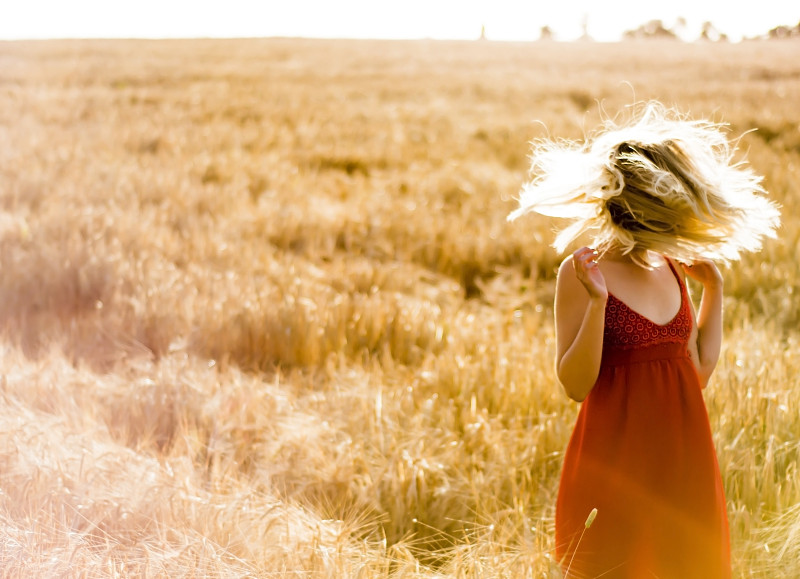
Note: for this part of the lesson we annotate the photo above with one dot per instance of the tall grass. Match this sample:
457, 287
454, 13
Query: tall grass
263, 316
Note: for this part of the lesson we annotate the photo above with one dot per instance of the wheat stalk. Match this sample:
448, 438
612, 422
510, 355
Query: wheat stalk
589, 520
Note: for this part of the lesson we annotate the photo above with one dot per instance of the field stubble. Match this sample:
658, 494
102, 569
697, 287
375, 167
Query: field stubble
264, 316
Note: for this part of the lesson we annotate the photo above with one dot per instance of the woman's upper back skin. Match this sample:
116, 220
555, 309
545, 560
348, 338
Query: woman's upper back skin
654, 294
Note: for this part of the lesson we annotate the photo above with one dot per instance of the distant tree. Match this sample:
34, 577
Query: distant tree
784, 32
546, 33
709, 32
585, 27
651, 29
680, 26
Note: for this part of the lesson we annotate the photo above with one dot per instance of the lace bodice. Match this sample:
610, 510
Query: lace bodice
626, 328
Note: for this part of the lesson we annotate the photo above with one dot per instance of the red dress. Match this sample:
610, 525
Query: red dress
642, 455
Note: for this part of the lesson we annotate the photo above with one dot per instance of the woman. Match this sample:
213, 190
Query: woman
658, 198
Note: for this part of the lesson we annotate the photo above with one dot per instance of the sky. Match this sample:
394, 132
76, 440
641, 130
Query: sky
440, 19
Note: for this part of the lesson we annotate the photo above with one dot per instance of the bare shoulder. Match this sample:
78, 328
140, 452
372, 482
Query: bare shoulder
568, 287
566, 271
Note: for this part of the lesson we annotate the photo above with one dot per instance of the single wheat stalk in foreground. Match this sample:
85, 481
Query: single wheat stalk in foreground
586, 525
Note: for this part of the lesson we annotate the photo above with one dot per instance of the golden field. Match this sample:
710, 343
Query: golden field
263, 315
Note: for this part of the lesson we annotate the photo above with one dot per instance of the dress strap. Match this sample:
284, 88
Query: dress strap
681, 283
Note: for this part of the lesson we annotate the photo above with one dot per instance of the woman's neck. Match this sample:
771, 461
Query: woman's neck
617, 255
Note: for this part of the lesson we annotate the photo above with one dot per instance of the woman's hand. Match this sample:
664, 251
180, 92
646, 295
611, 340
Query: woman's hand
705, 272
706, 340
584, 261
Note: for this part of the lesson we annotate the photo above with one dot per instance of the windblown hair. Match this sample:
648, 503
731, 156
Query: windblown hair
662, 183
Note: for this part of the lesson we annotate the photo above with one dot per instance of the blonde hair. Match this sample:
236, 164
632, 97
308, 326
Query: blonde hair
661, 183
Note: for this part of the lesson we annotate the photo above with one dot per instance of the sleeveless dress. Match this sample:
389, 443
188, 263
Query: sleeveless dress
642, 454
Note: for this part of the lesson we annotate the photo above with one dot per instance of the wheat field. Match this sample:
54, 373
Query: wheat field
263, 314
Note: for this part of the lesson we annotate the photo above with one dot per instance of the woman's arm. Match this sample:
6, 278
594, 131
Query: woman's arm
708, 334
580, 305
